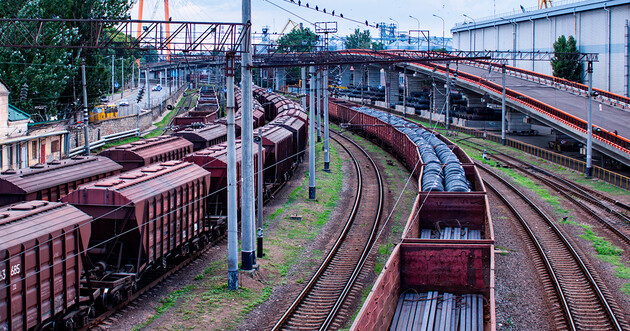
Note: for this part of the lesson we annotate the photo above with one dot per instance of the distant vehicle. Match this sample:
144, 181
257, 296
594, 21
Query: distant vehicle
157, 88
102, 112
123, 102
104, 98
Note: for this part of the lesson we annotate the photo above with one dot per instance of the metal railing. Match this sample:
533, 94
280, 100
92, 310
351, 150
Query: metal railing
582, 89
106, 139
563, 160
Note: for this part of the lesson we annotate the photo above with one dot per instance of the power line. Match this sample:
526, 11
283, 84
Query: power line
331, 13
290, 12
202, 199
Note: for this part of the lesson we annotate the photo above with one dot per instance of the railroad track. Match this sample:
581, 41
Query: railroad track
319, 304
604, 213
583, 302
578, 190
157, 277
187, 104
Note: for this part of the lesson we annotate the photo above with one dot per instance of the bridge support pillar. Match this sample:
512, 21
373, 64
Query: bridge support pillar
358, 76
474, 100
347, 75
373, 78
516, 122
392, 88
414, 84
280, 78
439, 106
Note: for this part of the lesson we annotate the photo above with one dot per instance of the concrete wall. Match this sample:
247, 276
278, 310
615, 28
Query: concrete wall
598, 26
121, 124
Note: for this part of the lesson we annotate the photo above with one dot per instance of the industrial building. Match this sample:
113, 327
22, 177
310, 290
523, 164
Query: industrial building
598, 27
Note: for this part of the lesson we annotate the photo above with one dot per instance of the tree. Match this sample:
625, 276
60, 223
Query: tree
565, 63
361, 40
376, 46
298, 40
53, 76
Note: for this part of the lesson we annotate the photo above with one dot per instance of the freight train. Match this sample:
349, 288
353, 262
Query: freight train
62, 261
441, 274
204, 112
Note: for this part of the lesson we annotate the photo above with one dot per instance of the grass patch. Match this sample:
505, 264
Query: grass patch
315, 213
543, 193
275, 214
502, 250
383, 253
120, 142
544, 164
606, 252
161, 125
602, 247
165, 304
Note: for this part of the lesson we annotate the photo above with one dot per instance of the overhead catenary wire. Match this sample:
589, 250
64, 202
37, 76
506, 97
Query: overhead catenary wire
202, 198
215, 192
132, 229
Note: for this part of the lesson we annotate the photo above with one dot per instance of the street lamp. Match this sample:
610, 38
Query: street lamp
513, 22
440, 17
474, 28
417, 20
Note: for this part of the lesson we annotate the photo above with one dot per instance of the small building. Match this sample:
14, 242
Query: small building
21, 147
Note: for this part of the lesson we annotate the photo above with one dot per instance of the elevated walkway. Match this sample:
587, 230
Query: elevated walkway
557, 103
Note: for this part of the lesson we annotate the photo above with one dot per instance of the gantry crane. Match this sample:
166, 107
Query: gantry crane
544, 4
167, 17
289, 22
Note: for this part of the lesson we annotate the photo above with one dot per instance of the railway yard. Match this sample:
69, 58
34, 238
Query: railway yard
507, 241
194, 174
531, 288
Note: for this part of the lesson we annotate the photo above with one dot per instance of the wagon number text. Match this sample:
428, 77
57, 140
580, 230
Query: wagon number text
15, 270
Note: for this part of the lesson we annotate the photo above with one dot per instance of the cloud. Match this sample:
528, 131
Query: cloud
375, 11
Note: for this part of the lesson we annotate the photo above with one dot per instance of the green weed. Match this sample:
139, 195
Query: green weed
165, 304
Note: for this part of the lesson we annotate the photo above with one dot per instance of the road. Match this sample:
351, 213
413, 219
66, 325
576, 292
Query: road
604, 116
132, 97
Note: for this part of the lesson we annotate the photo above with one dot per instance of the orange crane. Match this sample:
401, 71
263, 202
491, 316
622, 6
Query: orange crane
167, 17
541, 3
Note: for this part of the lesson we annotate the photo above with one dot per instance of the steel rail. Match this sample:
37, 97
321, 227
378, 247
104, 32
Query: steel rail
565, 242
601, 220
181, 265
370, 243
581, 190
334, 250
555, 282
287, 314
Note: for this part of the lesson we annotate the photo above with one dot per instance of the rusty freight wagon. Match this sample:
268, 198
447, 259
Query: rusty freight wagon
204, 137
442, 274
433, 286
279, 146
42, 265
148, 151
195, 117
214, 160
298, 129
264, 98
142, 218
53, 180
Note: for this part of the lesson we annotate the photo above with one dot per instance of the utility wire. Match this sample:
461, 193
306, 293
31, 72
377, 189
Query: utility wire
186, 178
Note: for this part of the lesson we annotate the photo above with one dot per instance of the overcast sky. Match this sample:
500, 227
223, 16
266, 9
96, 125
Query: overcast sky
264, 13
